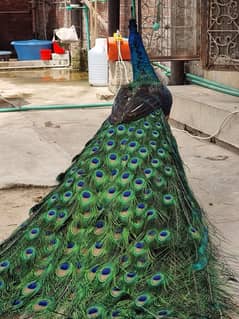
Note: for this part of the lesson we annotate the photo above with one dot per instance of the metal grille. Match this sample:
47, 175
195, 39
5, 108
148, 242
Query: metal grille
222, 34
170, 28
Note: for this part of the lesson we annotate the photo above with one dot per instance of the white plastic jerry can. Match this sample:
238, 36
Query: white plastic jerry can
98, 63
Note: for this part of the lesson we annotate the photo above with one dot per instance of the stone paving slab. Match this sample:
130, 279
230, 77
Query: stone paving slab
25, 156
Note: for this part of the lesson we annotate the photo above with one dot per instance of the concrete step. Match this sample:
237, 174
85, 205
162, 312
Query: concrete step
205, 110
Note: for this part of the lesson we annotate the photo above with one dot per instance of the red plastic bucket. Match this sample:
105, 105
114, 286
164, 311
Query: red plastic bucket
57, 48
45, 54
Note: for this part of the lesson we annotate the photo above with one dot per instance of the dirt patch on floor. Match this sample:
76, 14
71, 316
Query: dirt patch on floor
15, 204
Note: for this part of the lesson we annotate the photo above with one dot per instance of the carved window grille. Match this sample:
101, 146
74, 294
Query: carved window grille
171, 28
220, 34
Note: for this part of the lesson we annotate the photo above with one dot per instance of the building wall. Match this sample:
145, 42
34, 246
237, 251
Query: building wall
230, 78
15, 22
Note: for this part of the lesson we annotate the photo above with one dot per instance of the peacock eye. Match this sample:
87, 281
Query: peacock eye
141, 206
99, 174
81, 183
100, 224
124, 142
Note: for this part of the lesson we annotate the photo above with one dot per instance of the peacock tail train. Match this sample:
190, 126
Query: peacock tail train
122, 235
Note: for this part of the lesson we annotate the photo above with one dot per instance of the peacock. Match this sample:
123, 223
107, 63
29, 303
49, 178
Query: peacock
122, 235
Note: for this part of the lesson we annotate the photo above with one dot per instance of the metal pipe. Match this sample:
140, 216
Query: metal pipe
216, 86
25, 108
213, 86
161, 66
198, 78
86, 16
133, 9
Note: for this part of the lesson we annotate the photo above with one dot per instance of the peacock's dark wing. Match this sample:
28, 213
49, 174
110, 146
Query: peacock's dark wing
135, 102
122, 235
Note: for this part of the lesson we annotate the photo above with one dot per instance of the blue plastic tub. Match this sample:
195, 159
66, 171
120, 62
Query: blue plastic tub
30, 49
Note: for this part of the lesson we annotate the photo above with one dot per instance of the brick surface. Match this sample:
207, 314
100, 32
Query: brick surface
16, 21
14, 5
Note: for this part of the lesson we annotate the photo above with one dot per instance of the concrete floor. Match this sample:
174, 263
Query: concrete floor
206, 111
47, 87
36, 146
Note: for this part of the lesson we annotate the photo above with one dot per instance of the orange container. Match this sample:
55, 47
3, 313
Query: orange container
113, 49
45, 54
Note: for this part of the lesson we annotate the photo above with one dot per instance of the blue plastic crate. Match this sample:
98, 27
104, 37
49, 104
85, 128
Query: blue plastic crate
30, 49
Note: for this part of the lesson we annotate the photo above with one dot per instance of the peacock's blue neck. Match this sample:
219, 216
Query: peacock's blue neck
142, 68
